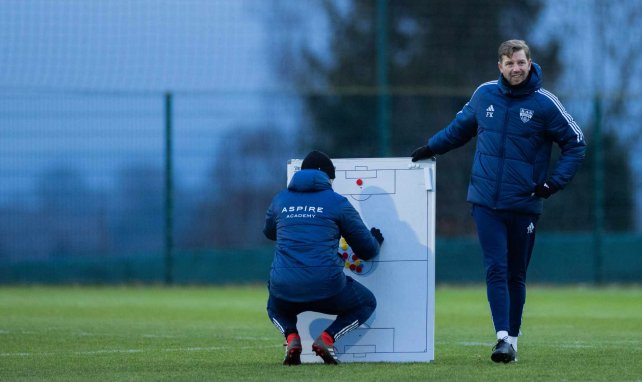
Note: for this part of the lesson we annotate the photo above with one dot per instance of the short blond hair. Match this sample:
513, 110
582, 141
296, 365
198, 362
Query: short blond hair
507, 48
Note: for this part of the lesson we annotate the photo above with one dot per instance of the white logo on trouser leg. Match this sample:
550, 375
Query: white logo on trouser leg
530, 228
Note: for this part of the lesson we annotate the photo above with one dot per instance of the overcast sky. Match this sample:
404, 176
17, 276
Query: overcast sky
132, 45
82, 84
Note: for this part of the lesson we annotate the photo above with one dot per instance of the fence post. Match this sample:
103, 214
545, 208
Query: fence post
383, 109
598, 199
169, 192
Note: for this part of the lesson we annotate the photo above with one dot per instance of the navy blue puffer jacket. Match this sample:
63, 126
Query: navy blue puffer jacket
515, 129
307, 220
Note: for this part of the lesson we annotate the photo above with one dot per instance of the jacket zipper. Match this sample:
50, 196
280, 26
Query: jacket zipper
502, 149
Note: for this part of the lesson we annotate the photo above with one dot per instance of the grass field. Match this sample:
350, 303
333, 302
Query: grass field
218, 334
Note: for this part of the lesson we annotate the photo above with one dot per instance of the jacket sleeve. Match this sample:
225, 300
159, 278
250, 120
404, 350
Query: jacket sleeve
568, 135
269, 229
461, 130
356, 233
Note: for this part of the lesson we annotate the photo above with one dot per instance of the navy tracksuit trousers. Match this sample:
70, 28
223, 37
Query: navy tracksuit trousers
507, 240
352, 306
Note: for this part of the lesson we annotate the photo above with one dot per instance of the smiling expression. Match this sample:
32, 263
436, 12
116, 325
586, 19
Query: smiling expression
515, 69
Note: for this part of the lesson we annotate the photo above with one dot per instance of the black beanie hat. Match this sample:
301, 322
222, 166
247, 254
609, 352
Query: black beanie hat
317, 160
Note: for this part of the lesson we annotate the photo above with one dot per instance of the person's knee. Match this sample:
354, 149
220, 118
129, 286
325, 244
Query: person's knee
517, 279
370, 302
496, 272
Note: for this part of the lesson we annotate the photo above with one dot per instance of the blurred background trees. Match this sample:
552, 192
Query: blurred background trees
437, 53
258, 82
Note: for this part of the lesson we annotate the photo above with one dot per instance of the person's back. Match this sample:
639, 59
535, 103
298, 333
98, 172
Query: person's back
309, 217
307, 220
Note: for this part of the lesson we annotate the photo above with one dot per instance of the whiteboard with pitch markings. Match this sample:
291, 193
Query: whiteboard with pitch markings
398, 197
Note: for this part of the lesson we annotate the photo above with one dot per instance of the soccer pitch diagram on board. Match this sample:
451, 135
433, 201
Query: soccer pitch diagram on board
398, 197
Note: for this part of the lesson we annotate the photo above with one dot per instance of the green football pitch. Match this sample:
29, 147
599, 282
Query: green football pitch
222, 333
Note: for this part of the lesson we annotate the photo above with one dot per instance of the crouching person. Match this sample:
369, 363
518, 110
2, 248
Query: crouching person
307, 220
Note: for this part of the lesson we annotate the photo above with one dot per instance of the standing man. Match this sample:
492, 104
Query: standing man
515, 121
307, 220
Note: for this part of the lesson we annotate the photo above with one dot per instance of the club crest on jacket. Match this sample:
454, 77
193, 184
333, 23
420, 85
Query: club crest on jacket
525, 115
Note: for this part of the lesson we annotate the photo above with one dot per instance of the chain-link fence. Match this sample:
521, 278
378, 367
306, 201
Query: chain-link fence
107, 176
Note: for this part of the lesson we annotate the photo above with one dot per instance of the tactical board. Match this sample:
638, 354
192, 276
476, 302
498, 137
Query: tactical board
398, 197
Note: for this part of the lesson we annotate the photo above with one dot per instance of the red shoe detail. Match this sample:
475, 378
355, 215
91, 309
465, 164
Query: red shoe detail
327, 339
293, 350
323, 346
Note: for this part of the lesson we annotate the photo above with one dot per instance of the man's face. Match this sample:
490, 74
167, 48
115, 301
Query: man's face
515, 69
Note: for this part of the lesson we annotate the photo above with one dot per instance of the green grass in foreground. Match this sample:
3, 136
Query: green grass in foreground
192, 334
